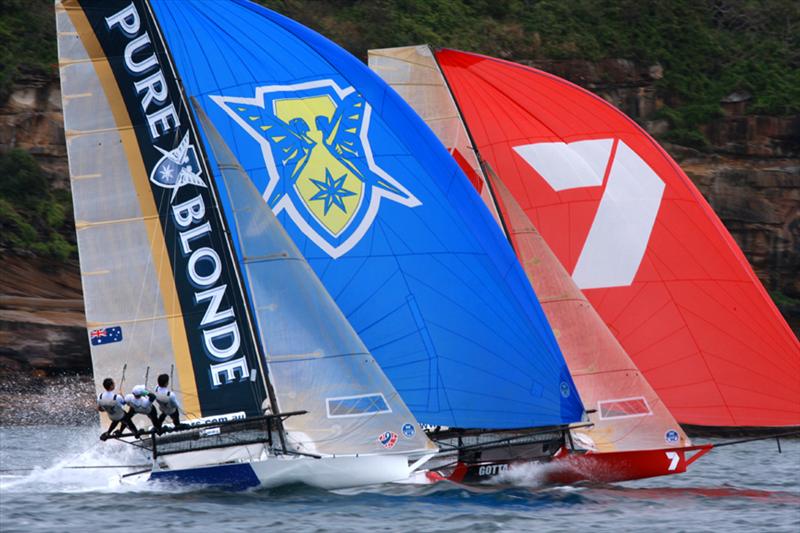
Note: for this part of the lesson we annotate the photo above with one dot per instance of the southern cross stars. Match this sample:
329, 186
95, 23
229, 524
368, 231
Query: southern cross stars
166, 173
332, 191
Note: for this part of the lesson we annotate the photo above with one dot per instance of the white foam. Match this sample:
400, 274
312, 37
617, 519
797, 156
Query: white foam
61, 476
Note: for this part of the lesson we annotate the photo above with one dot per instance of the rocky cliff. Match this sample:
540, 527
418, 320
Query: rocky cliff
749, 172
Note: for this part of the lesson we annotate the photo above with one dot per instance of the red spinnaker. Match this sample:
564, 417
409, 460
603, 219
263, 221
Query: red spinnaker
639, 240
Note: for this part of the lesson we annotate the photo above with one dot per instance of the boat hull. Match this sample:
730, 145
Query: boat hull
571, 467
324, 472
611, 467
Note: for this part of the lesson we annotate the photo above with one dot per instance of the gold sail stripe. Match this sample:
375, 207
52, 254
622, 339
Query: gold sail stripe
70, 134
161, 262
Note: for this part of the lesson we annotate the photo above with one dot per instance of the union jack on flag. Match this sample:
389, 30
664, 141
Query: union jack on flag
105, 335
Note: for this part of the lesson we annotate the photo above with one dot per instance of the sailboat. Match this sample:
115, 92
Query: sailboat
633, 435
275, 384
623, 219
390, 224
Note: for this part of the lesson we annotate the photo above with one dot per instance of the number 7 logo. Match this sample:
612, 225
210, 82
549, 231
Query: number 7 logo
674, 460
621, 229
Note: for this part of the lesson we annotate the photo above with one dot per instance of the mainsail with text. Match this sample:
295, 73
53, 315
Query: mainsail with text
177, 280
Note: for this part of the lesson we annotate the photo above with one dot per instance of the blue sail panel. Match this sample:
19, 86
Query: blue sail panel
382, 213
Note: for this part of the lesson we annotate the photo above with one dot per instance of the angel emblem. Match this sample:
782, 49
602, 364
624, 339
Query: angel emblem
318, 158
177, 167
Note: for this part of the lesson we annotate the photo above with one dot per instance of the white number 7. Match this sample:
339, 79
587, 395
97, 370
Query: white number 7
674, 458
627, 212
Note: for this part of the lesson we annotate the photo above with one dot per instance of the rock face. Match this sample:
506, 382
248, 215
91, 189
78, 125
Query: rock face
42, 323
31, 119
751, 176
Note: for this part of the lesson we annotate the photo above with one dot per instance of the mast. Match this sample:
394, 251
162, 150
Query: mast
217, 204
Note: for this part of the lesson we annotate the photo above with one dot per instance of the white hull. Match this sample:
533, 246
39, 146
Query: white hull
245, 467
332, 472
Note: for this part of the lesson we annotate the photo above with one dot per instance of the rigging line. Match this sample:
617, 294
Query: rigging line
149, 469
792, 433
122, 380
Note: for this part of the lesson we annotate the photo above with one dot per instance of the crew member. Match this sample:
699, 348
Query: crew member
167, 402
141, 402
113, 404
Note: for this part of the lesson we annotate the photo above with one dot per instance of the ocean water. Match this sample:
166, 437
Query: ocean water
748, 487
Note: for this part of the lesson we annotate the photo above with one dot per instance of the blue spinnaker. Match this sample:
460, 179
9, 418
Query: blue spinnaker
383, 214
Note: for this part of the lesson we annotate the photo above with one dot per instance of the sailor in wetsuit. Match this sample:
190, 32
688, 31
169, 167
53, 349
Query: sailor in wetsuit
141, 402
113, 404
167, 402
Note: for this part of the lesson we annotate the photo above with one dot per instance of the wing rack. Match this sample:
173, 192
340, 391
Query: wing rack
215, 435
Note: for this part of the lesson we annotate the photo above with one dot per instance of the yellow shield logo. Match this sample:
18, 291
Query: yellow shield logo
314, 139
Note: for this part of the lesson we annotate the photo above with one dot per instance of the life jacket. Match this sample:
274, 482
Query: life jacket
111, 403
166, 400
141, 405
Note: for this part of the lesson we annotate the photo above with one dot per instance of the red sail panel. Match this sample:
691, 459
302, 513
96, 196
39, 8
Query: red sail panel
639, 240
629, 414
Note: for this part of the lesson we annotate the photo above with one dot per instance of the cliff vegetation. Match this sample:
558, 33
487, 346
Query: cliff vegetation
717, 81
705, 50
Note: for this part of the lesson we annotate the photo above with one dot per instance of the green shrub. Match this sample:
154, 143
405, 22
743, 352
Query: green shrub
32, 216
27, 34
708, 48
686, 137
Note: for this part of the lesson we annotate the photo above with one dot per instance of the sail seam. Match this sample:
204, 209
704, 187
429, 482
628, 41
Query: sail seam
84, 225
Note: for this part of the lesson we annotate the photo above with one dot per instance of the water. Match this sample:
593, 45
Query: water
747, 487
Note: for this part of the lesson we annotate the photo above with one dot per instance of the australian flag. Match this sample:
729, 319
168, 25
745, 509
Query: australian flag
105, 335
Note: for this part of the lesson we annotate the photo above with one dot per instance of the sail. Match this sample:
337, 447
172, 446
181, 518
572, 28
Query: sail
159, 281
628, 414
382, 213
316, 361
639, 240
412, 72
625, 411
